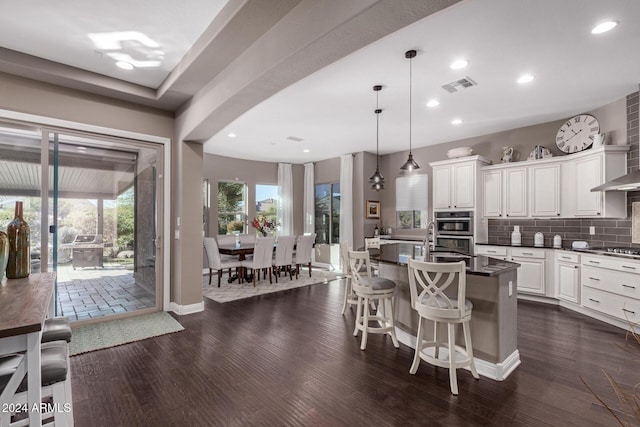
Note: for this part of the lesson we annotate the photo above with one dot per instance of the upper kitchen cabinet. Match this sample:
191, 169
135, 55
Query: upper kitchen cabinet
556, 187
545, 190
505, 192
455, 182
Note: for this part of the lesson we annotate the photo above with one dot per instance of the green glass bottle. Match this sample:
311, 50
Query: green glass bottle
19, 264
4, 253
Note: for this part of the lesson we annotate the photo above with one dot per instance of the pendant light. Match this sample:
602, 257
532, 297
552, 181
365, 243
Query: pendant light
410, 164
377, 180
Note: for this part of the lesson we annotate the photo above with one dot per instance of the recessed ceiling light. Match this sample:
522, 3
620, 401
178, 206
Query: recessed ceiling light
231, 135
433, 103
456, 121
525, 78
604, 27
306, 150
124, 65
458, 64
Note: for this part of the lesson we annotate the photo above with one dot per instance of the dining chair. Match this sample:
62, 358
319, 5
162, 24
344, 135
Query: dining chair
438, 294
367, 287
262, 257
215, 261
247, 238
304, 247
284, 256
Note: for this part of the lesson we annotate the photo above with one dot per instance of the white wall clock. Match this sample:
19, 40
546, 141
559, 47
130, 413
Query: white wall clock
576, 134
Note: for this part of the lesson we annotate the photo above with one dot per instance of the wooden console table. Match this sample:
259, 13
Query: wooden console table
24, 305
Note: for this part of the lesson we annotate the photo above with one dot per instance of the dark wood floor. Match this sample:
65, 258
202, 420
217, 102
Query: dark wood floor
290, 359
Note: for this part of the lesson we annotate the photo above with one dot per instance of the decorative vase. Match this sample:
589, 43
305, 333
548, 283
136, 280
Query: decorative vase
19, 264
4, 253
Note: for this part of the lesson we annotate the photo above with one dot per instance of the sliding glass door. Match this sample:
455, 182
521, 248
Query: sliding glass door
104, 213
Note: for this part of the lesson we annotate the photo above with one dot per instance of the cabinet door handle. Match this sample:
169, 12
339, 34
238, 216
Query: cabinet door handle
628, 286
628, 311
594, 278
565, 257
492, 252
575, 266
594, 262
629, 267
527, 253
595, 300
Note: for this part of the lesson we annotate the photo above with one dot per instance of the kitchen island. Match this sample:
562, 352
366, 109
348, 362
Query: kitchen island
491, 287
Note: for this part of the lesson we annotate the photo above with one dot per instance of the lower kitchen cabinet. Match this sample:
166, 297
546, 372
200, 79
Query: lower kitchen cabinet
532, 271
567, 276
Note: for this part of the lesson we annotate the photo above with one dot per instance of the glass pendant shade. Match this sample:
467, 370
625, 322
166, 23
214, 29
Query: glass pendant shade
410, 164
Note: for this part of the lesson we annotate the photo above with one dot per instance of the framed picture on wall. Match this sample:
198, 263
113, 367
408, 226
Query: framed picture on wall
372, 209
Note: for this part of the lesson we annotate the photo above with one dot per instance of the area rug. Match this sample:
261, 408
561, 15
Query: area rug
235, 291
122, 331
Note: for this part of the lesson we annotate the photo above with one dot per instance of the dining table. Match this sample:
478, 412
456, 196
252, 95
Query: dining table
24, 305
241, 250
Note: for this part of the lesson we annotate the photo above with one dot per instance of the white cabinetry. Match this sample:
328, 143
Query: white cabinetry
531, 274
505, 192
556, 187
455, 181
610, 285
532, 270
545, 190
568, 276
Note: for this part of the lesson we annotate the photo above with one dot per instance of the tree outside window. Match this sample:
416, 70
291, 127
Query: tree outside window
327, 213
267, 201
232, 207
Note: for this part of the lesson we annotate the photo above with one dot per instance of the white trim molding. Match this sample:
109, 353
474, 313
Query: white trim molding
495, 371
182, 310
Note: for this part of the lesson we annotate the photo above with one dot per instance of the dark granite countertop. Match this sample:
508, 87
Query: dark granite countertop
400, 253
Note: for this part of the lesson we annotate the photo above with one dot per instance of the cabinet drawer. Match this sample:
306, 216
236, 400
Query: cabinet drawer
626, 309
565, 256
491, 250
625, 284
613, 263
527, 253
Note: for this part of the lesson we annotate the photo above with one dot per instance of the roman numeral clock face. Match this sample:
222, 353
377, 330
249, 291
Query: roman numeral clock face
577, 133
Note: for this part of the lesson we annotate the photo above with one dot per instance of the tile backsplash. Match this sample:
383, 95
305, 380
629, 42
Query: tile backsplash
608, 232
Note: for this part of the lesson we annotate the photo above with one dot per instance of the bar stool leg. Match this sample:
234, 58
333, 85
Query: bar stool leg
358, 316
392, 323
469, 347
453, 379
365, 324
419, 338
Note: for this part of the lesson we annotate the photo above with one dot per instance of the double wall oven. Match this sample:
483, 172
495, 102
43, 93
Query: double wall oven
454, 231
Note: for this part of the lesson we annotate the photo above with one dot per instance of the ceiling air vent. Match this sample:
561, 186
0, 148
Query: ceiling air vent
457, 85
294, 138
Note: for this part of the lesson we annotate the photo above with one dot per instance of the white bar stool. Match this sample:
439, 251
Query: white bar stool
428, 283
367, 288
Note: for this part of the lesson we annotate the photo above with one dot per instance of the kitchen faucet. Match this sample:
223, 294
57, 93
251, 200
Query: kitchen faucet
430, 245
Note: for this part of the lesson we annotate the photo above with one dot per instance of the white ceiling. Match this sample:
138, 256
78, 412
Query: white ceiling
332, 109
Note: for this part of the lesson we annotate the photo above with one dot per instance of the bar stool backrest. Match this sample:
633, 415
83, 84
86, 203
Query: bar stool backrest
360, 269
438, 289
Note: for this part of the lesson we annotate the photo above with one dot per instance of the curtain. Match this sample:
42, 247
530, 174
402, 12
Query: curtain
346, 199
285, 199
309, 202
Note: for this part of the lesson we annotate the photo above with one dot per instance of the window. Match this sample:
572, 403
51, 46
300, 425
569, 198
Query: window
411, 201
232, 207
267, 201
327, 213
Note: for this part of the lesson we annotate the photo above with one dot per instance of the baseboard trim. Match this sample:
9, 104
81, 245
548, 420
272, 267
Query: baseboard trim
495, 371
182, 310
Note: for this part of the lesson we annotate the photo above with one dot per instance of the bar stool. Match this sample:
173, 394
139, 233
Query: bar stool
56, 383
56, 329
367, 288
349, 296
428, 282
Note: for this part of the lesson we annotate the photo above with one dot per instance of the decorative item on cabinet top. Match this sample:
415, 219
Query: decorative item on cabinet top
507, 155
539, 152
459, 152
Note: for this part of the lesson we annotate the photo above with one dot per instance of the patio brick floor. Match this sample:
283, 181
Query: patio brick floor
86, 293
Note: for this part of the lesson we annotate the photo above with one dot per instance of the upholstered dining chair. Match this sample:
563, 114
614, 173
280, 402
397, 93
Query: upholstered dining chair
215, 262
227, 240
284, 256
262, 257
438, 294
304, 248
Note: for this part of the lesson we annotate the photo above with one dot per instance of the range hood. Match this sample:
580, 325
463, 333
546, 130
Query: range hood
628, 182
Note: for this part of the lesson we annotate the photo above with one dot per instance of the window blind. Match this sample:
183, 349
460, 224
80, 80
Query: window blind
412, 193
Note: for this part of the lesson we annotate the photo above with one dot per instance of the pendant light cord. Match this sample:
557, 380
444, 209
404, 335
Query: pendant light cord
377, 130
410, 112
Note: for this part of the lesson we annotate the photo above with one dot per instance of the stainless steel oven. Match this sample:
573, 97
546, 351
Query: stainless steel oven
454, 223
463, 244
